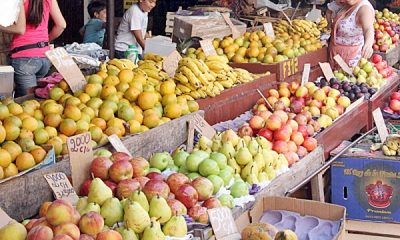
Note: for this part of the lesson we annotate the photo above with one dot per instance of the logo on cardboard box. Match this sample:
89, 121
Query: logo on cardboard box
379, 194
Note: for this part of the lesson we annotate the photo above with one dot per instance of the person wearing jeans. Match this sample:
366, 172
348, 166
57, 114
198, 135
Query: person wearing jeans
28, 50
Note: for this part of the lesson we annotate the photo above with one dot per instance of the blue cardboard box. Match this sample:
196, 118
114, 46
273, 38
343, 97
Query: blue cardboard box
369, 187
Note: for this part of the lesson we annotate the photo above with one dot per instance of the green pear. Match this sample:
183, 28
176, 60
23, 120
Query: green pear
153, 232
127, 234
183, 169
204, 143
263, 177
227, 149
232, 163
239, 189
208, 167
90, 207
226, 200
124, 202
160, 209
81, 204
217, 182
135, 217
13, 231
226, 175
173, 168
112, 211
252, 178
259, 159
264, 143
230, 136
269, 156
180, 158
253, 147
243, 156
160, 160
216, 145
247, 169
99, 192
175, 227
240, 144
220, 159
270, 172
139, 197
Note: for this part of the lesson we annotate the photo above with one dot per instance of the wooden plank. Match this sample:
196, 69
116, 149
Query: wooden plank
317, 188
378, 228
355, 236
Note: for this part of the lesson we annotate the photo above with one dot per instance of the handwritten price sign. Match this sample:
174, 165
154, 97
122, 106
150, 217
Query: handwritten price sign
223, 224
202, 127
61, 187
80, 144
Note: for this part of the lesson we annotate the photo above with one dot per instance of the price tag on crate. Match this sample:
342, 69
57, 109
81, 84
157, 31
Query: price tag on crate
208, 47
235, 32
62, 188
4, 218
343, 65
171, 63
202, 126
326, 70
269, 30
118, 145
66, 66
380, 124
81, 155
223, 224
306, 74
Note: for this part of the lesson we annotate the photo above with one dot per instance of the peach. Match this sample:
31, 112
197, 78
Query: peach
292, 147
40, 233
69, 229
86, 237
310, 144
273, 93
91, 223
43, 209
59, 212
62, 237
297, 138
109, 235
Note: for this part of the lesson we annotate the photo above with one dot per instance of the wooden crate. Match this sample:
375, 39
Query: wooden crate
169, 23
205, 27
358, 230
235, 101
285, 69
392, 57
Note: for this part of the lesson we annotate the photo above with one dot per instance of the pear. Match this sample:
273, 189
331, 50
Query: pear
247, 139
270, 172
264, 143
205, 143
240, 144
216, 144
124, 202
263, 177
230, 136
247, 169
160, 209
13, 231
127, 234
112, 211
99, 192
139, 197
253, 147
232, 163
136, 218
269, 156
90, 207
252, 178
227, 149
153, 232
175, 227
283, 161
243, 156
81, 204
259, 159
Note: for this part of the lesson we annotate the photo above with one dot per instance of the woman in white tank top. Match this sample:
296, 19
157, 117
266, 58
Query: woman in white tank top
352, 31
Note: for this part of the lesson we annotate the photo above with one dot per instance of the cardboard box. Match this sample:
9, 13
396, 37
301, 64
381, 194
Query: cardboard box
303, 207
369, 186
6, 81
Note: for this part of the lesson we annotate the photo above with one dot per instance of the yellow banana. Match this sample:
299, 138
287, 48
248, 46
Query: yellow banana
181, 78
221, 59
154, 74
190, 75
183, 88
153, 57
219, 85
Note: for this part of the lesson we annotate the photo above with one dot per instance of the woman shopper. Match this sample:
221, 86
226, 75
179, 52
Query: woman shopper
28, 50
352, 30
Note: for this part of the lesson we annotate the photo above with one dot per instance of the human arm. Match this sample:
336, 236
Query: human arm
366, 19
329, 18
137, 18
58, 19
139, 37
19, 26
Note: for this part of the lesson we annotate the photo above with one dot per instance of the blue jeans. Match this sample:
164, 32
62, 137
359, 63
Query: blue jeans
27, 71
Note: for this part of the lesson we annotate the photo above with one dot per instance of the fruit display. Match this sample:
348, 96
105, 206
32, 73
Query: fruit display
322, 25
255, 46
351, 90
198, 79
382, 66
366, 72
391, 147
393, 107
386, 31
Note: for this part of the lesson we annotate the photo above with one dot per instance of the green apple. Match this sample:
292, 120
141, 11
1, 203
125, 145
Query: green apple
183, 170
220, 159
239, 189
226, 200
173, 168
102, 153
180, 158
160, 160
208, 167
217, 182
193, 175
226, 175
194, 159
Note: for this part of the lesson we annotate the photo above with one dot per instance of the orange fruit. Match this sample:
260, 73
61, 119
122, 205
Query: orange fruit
126, 75
10, 171
38, 154
52, 120
5, 158
25, 161
68, 127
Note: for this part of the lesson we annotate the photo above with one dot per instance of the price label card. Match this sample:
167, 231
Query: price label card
380, 124
269, 30
171, 63
208, 47
202, 126
223, 224
355, 104
61, 187
235, 32
343, 65
326, 70
306, 74
118, 145
81, 155
4, 218
66, 66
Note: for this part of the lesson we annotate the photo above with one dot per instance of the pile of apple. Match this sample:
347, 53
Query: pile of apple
386, 26
382, 66
394, 104
365, 72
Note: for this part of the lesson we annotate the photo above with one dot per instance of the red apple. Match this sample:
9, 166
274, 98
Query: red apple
256, 122
100, 166
85, 187
155, 176
395, 105
91, 223
376, 58
279, 105
112, 185
177, 207
40, 232
375, 47
310, 144
293, 86
245, 130
280, 147
274, 122
264, 114
301, 119
296, 106
176, 180
297, 137
119, 156
199, 214
293, 125
142, 181
140, 166
43, 209
302, 92
154, 187
303, 130
310, 130
39, 222
126, 187
273, 92
282, 134
204, 188
86, 237
292, 147
109, 235
282, 115
266, 133
59, 212
212, 203
291, 157
120, 170
187, 195
395, 95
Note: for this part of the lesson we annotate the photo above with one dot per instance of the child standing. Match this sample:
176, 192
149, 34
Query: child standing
133, 27
94, 30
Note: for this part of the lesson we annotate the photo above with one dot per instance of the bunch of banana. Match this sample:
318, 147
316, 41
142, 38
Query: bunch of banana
153, 70
298, 26
121, 64
392, 145
322, 25
153, 57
